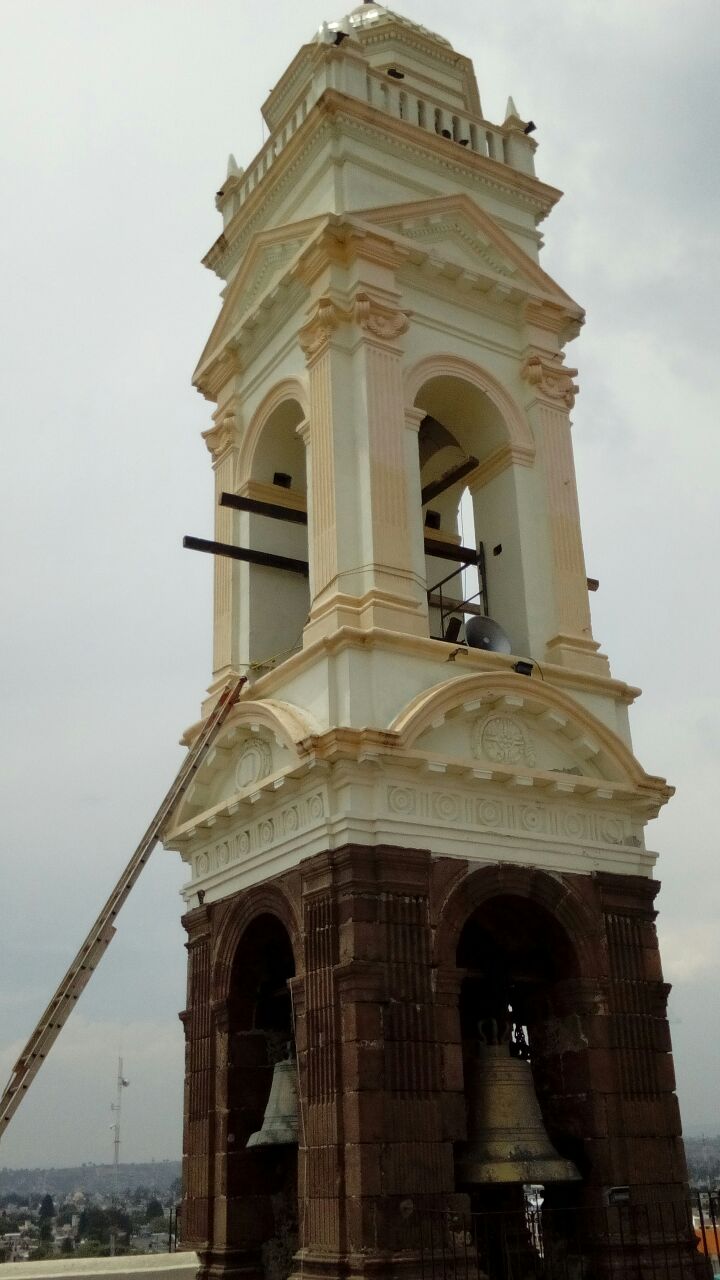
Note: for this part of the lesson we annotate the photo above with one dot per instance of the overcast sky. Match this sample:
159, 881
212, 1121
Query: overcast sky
117, 118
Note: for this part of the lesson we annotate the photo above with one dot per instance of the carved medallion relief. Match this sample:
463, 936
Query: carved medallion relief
254, 763
503, 740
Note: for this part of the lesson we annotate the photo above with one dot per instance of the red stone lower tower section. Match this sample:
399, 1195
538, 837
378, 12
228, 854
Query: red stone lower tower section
368, 942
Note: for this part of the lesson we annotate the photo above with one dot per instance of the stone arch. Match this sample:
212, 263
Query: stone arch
574, 916
265, 899
272, 467
525, 950
284, 392
519, 433
470, 420
255, 962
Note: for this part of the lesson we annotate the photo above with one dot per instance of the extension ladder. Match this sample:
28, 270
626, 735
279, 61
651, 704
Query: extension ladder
103, 930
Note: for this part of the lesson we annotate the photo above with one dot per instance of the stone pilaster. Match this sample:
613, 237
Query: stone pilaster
364, 569
552, 397
199, 1064
222, 441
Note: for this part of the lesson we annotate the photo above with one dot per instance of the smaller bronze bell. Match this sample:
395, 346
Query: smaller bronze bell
507, 1141
280, 1122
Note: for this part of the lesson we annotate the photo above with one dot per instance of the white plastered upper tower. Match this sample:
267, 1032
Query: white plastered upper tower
385, 322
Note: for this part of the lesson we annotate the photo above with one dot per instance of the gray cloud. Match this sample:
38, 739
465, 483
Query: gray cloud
122, 115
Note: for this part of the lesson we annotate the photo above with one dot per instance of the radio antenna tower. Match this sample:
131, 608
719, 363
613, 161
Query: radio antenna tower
116, 1108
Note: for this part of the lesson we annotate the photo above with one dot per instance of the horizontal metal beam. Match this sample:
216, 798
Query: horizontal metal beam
264, 558
444, 550
274, 510
448, 480
450, 551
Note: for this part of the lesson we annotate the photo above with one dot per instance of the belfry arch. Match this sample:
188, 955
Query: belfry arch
271, 468
258, 1227
470, 425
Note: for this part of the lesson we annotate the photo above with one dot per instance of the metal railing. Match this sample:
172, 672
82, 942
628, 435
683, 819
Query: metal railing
657, 1241
448, 605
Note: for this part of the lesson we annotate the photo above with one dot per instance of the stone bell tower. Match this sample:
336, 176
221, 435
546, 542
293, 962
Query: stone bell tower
416, 822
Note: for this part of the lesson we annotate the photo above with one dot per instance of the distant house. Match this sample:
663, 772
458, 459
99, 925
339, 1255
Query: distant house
708, 1238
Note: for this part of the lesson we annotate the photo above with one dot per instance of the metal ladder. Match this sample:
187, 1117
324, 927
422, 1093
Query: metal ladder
103, 930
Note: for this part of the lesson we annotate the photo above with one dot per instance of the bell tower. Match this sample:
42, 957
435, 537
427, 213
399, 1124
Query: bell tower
417, 862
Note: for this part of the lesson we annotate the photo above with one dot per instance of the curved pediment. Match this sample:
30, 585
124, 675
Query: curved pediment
506, 721
258, 742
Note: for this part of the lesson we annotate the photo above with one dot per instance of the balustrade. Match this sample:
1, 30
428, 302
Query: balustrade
403, 103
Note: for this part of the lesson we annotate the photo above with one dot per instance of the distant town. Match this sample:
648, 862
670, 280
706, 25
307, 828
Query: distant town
46, 1213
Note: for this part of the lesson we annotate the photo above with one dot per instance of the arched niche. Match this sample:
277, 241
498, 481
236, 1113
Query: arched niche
527, 954
469, 416
261, 1181
272, 469
516, 962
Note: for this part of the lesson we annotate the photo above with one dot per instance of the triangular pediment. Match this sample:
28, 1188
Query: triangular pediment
455, 231
264, 266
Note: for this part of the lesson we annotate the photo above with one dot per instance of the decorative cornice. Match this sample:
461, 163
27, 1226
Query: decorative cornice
434, 652
551, 378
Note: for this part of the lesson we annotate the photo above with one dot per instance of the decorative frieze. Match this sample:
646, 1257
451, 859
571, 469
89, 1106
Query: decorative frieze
258, 837
474, 813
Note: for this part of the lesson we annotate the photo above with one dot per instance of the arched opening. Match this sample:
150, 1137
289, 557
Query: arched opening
463, 429
261, 1179
279, 597
522, 1162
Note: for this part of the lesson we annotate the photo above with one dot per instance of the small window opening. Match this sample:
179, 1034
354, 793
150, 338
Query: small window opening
282, 479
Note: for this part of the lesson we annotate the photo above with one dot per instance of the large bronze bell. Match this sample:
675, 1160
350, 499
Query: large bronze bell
507, 1141
280, 1122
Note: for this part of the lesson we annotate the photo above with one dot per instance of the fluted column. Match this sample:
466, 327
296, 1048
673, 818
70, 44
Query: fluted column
552, 397
223, 441
363, 567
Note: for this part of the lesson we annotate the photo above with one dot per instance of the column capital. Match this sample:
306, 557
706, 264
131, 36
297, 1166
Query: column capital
315, 334
374, 315
550, 377
223, 435
379, 319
